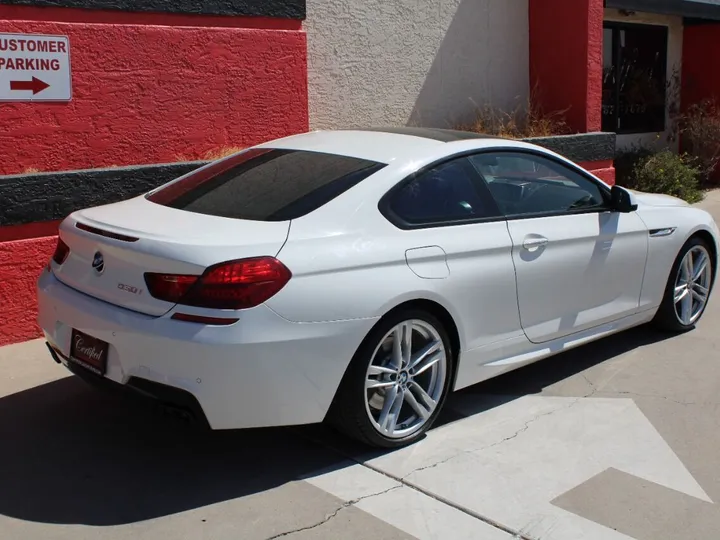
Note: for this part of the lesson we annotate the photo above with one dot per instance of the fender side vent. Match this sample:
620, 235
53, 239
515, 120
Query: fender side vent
656, 233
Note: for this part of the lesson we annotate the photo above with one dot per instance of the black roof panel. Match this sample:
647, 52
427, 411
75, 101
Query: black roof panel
437, 134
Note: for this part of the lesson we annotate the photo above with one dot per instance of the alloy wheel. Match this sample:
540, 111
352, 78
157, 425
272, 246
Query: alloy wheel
692, 285
405, 379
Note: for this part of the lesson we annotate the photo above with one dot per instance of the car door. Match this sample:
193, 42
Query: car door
456, 240
577, 263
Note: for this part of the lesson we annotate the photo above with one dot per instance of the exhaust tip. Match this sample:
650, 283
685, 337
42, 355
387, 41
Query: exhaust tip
53, 353
177, 413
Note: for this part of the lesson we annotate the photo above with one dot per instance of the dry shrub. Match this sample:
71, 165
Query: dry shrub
526, 121
219, 153
700, 136
210, 155
184, 157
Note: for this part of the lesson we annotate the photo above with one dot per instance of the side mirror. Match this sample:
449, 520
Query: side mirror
622, 200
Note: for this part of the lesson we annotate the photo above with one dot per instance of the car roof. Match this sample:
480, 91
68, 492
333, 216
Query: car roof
382, 145
436, 134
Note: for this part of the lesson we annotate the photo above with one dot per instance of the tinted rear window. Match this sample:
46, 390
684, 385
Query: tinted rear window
266, 185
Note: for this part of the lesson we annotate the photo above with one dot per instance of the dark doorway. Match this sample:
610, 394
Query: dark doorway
634, 78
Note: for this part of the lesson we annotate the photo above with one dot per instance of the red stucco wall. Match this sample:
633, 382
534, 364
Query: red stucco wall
605, 170
152, 94
701, 49
20, 264
566, 60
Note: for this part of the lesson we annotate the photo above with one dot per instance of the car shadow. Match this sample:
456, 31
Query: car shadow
74, 455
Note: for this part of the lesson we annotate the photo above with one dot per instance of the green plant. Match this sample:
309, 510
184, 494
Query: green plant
668, 173
626, 161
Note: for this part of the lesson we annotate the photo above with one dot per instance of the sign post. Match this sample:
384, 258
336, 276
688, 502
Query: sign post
35, 67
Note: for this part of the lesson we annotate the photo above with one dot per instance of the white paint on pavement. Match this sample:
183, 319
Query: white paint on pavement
509, 463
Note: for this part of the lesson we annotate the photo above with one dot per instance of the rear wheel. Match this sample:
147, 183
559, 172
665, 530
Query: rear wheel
688, 288
397, 382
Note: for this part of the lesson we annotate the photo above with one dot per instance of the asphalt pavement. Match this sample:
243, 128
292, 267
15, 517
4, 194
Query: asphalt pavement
615, 440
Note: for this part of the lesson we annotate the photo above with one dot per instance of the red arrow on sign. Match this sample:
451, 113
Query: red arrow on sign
36, 85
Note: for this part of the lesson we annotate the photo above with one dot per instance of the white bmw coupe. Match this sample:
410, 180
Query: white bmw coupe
357, 277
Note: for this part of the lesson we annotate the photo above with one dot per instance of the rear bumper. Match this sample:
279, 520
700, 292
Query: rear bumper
172, 400
262, 371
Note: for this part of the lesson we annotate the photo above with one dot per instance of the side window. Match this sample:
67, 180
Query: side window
449, 192
527, 184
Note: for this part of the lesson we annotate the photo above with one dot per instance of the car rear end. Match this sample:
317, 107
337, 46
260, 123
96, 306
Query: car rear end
165, 293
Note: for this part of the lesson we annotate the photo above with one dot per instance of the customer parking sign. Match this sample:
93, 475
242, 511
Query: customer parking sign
35, 67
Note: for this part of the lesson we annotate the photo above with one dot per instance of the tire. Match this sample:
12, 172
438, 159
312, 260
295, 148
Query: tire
361, 412
670, 316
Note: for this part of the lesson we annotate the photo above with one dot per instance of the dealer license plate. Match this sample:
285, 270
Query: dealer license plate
89, 352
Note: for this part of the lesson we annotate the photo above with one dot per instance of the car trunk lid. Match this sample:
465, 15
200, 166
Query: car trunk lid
113, 246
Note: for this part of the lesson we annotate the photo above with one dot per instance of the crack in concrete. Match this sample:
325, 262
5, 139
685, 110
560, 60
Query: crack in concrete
520, 431
611, 393
593, 388
604, 393
334, 513
666, 398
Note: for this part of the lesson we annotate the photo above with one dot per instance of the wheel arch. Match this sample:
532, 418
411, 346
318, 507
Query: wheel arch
443, 315
708, 237
666, 317
448, 321
711, 241
432, 307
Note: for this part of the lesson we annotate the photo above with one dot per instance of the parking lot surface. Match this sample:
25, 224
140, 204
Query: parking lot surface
615, 440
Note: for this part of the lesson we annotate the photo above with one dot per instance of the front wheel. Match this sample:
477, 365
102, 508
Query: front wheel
397, 382
688, 288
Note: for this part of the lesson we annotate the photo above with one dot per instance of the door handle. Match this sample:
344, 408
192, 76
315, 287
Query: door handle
534, 242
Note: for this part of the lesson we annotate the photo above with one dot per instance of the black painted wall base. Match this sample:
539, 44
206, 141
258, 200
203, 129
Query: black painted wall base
285, 9
30, 198
582, 147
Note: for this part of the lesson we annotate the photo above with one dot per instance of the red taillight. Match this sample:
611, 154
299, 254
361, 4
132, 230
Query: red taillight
61, 252
168, 287
232, 285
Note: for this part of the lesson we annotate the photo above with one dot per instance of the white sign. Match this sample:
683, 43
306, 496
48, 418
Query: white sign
35, 67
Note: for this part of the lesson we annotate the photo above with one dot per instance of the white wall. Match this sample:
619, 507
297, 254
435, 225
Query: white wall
674, 63
414, 62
